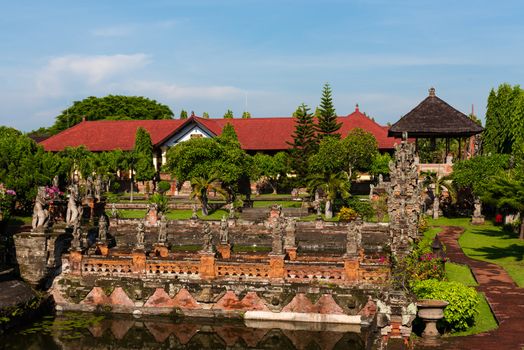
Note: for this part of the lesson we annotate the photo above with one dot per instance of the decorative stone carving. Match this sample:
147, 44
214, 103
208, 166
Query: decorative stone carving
89, 187
277, 247
194, 215
477, 218
77, 235
102, 228
98, 187
40, 212
231, 214
55, 181
162, 230
354, 237
224, 231
73, 205
404, 199
207, 246
114, 211
140, 234
290, 237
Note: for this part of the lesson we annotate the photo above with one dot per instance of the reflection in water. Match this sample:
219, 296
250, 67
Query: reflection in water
163, 333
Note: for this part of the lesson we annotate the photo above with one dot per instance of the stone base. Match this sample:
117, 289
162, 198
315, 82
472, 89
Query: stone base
207, 265
477, 220
160, 250
224, 250
102, 249
291, 253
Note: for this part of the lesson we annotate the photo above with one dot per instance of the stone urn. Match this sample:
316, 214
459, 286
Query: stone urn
430, 311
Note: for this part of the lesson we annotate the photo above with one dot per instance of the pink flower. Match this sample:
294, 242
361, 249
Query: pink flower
11, 192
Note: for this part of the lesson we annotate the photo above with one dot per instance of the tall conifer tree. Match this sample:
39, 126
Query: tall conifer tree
304, 140
327, 118
183, 114
144, 167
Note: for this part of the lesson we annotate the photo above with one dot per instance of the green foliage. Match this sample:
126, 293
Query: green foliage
145, 170
161, 201
361, 148
380, 164
330, 158
504, 120
334, 185
327, 117
200, 187
183, 114
229, 134
205, 115
473, 173
270, 167
304, 140
24, 165
164, 186
347, 214
363, 208
246, 115
463, 301
228, 114
110, 107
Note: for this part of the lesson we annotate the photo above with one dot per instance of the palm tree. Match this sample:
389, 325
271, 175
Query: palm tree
200, 186
438, 185
333, 184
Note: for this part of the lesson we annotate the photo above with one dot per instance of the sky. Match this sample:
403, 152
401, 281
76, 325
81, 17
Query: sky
266, 57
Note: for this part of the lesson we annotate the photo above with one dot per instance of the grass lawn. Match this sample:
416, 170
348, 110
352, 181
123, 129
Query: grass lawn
284, 204
490, 243
460, 273
172, 214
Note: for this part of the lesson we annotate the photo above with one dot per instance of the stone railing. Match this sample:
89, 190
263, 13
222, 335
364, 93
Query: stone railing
345, 271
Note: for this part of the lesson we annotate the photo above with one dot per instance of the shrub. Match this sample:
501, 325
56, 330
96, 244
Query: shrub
164, 186
463, 301
161, 201
423, 224
347, 214
363, 208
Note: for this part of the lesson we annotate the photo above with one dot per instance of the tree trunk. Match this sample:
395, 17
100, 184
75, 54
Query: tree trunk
204, 206
328, 213
274, 187
521, 235
131, 198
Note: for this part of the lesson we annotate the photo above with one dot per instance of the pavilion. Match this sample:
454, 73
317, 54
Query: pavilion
433, 118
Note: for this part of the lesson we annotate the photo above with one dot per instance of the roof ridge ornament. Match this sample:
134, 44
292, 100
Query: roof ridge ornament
432, 91
356, 108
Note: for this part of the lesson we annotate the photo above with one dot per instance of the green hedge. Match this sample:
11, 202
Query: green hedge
463, 301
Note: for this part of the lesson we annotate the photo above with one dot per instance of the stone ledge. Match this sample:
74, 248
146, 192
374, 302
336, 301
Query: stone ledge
301, 317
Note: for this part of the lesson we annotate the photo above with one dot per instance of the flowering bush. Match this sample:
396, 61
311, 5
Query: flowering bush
53, 192
347, 214
7, 201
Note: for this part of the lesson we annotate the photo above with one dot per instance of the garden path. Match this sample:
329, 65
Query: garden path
505, 298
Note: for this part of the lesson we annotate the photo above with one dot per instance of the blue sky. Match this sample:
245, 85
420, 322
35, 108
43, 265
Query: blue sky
214, 55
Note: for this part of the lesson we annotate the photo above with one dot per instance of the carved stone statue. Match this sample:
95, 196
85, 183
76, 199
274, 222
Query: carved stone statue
140, 234
380, 179
102, 228
162, 230
354, 237
207, 246
55, 181
98, 187
77, 234
114, 211
194, 215
478, 208
290, 237
73, 210
40, 212
371, 188
224, 231
277, 247
89, 187
231, 214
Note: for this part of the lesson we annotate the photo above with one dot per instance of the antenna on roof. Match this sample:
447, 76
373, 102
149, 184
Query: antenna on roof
472, 109
245, 102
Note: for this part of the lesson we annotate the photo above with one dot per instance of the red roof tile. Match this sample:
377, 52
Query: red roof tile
254, 134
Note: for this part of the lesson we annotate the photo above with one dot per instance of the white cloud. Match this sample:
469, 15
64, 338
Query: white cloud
176, 92
114, 31
62, 73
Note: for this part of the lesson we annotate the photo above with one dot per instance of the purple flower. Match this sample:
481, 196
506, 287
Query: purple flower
11, 192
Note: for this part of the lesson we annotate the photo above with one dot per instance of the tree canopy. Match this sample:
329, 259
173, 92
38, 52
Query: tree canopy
474, 173
361, 148
246, 115
304, 140
143, 149
327, 117
183, 114
110, 107
271, 167
228, 114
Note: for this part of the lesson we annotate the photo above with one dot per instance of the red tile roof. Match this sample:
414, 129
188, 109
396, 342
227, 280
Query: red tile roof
254, 134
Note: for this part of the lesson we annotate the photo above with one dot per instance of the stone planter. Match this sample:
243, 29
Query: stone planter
430, 311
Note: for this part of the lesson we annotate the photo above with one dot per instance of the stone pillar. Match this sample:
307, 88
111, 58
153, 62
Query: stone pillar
224, 250
276, 266
139, 262
206, 269
102, 248
91, 204
75, 262
351, 268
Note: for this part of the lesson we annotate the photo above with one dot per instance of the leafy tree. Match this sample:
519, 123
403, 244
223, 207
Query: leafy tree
228, 134
200, 187
24, 166
473, 174
77, 160
437, 184
205, 115
380, 164
271, 167
327, 118
246, 115
361, 148
333, 185
504, 120
228, 114
331, 157
110, 107
507, 190
304, 140
145, 170
183, 114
